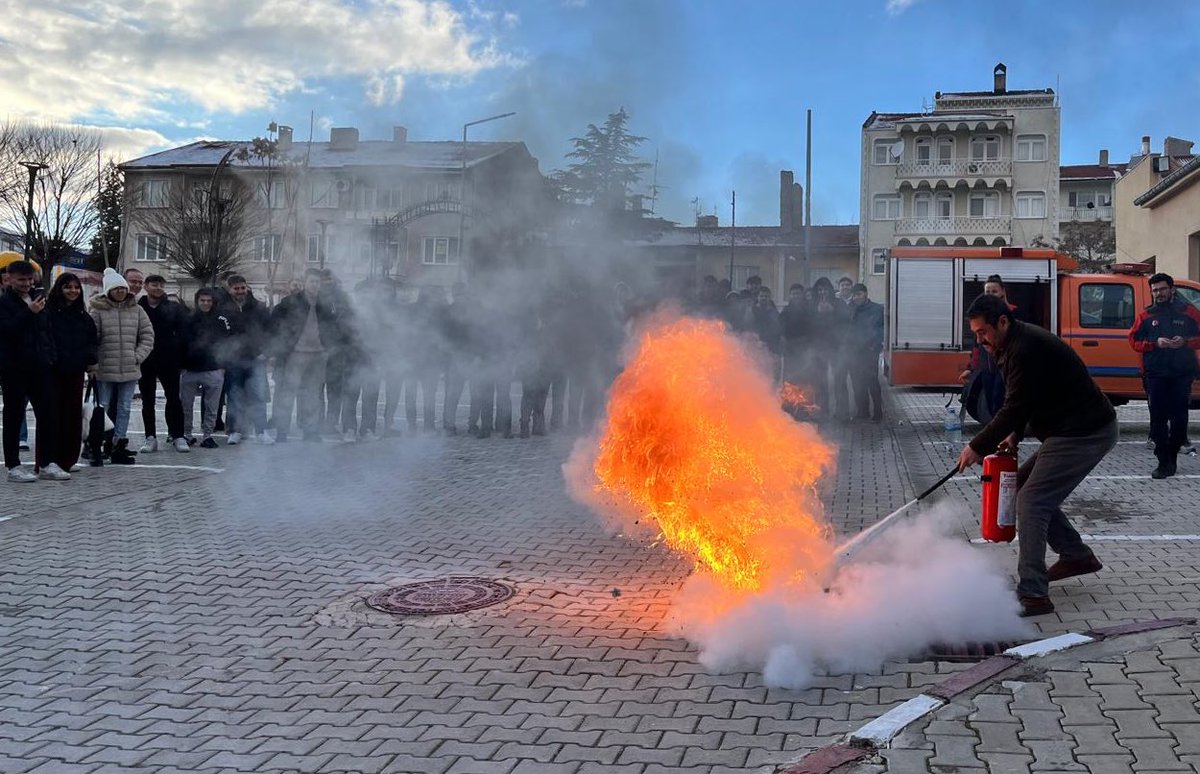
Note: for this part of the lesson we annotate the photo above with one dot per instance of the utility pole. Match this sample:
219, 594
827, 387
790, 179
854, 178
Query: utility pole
34, 167
732, 234
462, 195
807, 273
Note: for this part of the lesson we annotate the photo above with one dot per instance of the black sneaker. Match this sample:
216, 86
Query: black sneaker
191, 440
207, 443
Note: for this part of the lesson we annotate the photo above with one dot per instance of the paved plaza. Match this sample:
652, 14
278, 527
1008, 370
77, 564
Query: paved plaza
204, 612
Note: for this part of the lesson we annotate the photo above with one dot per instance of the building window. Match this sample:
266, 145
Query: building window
264, 248
943, 206
1031, 147
151, 247
924, 151
269, 193
323, 194
439, 251
985, 148
314, 248
945, 151
879, 257
886, 207
1106, 305
985, 205
154, 193
888, 151
1031, 204
922, 205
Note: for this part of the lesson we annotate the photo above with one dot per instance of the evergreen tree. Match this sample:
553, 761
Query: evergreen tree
605, 167
106, 243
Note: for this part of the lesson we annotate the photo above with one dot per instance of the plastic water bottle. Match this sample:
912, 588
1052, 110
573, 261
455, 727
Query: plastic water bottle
952, 421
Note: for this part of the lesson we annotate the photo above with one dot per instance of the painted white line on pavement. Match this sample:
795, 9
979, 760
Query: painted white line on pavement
1121, 539
881, 730
1098, 478
1048, 645
172, 467
963, 442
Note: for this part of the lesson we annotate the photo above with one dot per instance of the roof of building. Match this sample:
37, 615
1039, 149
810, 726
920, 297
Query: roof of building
881, 120
1185, 168
823, 237
1007, 93
444, 155
1090, 172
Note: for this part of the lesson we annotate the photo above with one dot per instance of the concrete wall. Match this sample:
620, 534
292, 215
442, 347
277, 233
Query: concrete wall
1168, 231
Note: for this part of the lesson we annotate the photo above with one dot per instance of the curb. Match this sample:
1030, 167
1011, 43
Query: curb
878, 733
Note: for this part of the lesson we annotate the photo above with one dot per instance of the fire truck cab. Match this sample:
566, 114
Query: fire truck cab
930, 288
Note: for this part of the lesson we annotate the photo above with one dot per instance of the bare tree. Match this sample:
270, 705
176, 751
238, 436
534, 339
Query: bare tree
64, 212
204, 220
278, 176
1093, 243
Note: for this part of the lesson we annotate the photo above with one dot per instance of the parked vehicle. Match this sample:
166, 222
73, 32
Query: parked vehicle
930, 288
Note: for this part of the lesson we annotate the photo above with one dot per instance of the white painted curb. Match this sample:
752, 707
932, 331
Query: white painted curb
1048, 645
882, 729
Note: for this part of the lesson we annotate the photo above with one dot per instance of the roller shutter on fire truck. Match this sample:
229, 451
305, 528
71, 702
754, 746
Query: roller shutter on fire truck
924, 299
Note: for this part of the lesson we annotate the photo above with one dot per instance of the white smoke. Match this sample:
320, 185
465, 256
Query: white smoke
914, 588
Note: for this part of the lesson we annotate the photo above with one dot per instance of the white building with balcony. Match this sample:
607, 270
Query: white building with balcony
980, 169
1085, 191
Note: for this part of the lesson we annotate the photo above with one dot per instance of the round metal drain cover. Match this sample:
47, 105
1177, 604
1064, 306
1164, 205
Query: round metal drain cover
440, 597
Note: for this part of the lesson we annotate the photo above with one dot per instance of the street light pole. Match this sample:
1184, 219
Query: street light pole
462, 196
34, 167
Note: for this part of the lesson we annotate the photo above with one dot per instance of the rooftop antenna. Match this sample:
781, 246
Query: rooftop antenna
654, 189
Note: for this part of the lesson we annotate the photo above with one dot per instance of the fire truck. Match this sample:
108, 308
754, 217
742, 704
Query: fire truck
930, 288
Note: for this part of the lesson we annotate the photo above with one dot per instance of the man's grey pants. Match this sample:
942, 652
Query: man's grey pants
208, 384
1046, 480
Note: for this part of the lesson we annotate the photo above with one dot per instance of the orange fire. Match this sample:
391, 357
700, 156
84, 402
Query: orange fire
794, 398
695, 441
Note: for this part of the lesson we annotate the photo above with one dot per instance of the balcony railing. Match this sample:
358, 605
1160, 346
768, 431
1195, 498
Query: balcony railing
1088, 214
955, 168
953, 226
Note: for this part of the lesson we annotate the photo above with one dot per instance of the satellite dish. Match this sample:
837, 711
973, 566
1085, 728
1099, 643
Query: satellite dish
898, 149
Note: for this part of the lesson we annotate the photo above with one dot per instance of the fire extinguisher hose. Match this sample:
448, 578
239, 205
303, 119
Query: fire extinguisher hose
846, 551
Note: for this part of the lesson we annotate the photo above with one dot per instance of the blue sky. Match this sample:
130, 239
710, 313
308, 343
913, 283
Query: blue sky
718, 87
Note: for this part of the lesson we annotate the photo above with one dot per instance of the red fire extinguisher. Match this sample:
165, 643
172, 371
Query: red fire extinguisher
999, 522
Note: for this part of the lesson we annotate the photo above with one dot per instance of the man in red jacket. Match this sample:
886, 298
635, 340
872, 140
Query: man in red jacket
1167, 334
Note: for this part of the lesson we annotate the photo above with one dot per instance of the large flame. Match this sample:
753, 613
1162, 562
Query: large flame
696, 441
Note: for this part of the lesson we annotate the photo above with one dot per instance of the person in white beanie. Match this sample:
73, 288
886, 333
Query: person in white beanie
126, 339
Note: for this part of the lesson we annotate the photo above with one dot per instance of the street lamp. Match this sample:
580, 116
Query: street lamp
34, 167
462, 198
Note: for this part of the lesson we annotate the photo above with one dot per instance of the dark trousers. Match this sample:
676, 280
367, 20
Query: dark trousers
66, 404
866, 385
491, 403
37, 389
557, 385
428, 382
337, 372
169, 378
455, 381
841, 384
583, 402
1168, 397
1044, 481
534, 388
818, 377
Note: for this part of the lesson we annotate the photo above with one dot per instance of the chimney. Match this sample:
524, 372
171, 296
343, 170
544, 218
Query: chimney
343, 138
285, 139
798, 206
786, 183
1173, 146
1104, 157
399, 135
1145, 145
706, 221
1000, 78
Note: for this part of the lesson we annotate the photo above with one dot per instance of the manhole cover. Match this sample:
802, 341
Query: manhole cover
440, 597
972, 651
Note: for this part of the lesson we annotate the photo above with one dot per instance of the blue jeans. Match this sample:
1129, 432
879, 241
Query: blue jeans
1044, 482
117, 397
246, 395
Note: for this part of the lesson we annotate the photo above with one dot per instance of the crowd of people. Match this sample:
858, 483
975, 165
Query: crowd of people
824, 340
330, 354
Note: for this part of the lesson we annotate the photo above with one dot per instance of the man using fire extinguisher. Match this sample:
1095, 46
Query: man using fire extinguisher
1167, 334
1049, 394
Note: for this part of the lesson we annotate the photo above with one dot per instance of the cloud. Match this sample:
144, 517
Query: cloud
897, 7
156, 60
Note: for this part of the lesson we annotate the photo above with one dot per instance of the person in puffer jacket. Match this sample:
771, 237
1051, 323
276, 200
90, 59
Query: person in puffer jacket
208, 344
126, 340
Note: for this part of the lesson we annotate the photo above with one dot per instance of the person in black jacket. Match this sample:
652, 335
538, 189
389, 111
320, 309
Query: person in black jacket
27, 354
1047, 389
794, 329
168, 319
75, 345
304, 331
206, 346
864, 341
1167, 334
246, 365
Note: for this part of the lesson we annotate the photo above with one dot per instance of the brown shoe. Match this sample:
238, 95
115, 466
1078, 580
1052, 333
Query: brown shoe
1069, 568
1031, 606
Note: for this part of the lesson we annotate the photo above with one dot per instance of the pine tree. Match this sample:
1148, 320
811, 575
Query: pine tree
106, 243
606, 165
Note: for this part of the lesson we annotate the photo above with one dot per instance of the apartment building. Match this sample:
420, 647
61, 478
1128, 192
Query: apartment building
359, 207
1086, 191
981, 168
